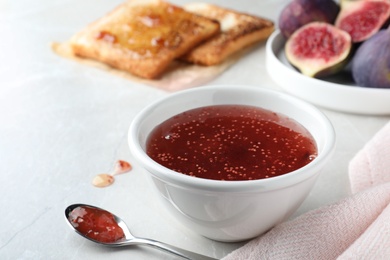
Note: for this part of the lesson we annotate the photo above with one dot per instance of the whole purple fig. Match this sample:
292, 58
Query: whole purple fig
371, 63
300, 12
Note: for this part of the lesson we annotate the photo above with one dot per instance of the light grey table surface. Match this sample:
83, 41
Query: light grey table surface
61, 123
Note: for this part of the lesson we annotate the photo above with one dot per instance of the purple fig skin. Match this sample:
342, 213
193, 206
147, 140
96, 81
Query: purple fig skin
371, 63
300, 12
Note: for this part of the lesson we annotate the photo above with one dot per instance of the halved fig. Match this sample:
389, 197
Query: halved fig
363, 18
318, 49
300, 12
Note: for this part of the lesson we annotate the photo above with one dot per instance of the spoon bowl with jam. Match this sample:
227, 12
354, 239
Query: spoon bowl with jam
228, 161
103, 227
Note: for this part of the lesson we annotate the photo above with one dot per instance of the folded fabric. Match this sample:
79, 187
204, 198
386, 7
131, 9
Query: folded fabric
357, 227
371, 165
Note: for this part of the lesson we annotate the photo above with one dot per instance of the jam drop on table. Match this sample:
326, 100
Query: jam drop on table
121, 167
231, 142
106, 179
103, 180
97, 224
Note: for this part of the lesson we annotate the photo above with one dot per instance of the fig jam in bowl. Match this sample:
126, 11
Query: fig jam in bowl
230, 162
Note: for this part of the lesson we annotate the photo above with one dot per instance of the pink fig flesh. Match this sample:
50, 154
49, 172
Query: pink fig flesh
362, 19
318, 49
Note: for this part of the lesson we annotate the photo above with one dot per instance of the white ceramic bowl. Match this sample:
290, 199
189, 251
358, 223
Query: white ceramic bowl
232, 210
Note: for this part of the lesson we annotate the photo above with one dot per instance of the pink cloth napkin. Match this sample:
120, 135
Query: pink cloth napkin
357, 227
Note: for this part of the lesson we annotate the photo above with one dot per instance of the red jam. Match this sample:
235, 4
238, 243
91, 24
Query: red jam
97, 224
121, 166
231, 142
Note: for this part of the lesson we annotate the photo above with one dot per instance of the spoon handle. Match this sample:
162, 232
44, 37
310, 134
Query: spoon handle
170, 249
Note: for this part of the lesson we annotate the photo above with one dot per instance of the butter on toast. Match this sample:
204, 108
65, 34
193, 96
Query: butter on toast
238, 30
143, 36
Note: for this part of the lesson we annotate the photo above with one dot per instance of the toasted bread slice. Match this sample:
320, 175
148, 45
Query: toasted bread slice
143, 36
238, 30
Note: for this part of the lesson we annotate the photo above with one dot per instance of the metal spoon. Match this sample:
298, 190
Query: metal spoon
130, 240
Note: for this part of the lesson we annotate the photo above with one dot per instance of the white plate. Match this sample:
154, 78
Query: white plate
337, 92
